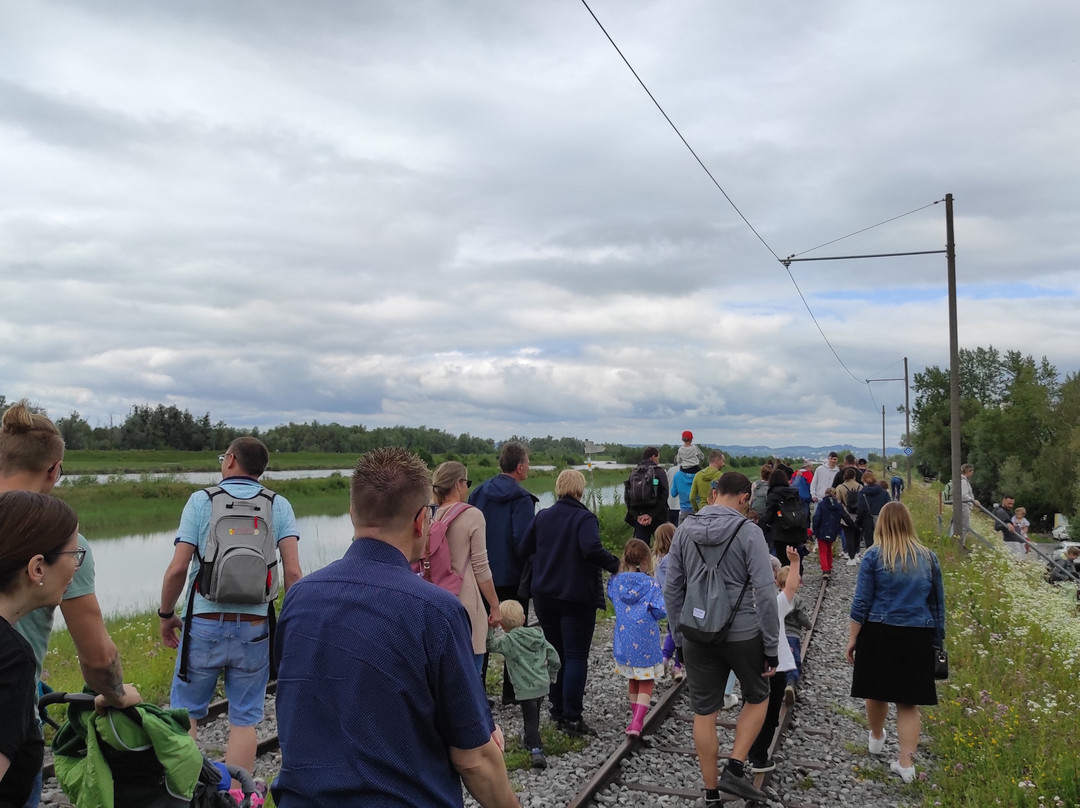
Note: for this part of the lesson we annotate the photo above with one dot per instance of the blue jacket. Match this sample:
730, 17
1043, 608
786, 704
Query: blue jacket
827, 518
508, 508
681, 482
802, 485
639, 603
564, 541
914, 597
872, 498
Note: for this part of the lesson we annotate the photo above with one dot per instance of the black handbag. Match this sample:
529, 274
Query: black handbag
941, 663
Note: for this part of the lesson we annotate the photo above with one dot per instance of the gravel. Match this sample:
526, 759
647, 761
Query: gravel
822, 761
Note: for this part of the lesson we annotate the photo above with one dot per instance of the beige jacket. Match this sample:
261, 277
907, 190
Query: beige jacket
467, 536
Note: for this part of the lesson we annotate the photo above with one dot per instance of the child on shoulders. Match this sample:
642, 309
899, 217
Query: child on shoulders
533, 665
639, 605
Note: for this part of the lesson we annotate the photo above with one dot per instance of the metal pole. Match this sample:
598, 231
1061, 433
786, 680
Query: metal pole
884, 460
907, 421
954, 366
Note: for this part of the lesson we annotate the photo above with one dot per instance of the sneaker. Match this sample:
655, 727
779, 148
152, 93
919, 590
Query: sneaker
875, 745
712, 797
907, 775
740, 787
789, 695
679, 673
577, 729
758, 766
854, 562
827, 574
730, 701
538, 759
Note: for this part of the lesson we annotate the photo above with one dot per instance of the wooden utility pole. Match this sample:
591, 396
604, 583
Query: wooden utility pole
907, 421
954, 366
884, 460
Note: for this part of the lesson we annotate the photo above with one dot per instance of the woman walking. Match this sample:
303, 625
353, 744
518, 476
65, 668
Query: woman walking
564, 542
897, 619
466, 535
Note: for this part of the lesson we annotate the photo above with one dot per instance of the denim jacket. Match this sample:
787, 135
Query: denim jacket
914, 597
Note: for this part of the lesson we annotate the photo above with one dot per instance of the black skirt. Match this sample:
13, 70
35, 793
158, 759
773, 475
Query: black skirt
894, 664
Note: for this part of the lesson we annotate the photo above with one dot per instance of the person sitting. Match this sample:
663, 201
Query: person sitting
1065, 569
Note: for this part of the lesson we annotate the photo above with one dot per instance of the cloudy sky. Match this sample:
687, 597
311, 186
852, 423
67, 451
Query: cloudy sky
470, 215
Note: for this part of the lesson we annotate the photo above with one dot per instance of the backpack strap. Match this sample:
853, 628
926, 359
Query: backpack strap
452, 513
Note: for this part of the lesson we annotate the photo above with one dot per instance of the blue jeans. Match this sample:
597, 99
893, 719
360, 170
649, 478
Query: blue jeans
569, 627
34, 800
238, 649
796, 651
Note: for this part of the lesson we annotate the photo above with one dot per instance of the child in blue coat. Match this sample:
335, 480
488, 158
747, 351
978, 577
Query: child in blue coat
828, 517
639, 605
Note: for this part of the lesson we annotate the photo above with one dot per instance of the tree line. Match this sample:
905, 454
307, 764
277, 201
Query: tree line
1020, 429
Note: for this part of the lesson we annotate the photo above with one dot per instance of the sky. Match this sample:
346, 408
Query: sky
471, 216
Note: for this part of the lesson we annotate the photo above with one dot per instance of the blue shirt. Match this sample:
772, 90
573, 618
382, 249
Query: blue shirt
376, 680
914, 597
195, 529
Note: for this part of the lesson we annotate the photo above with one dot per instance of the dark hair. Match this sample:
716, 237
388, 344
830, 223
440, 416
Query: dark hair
388, 487
766, 470
731, 483
863, 461
512, 455
251, 453
849, 458
834, 454
849, 474
636, 556
29, 441
30, 525
778, 477
650, 451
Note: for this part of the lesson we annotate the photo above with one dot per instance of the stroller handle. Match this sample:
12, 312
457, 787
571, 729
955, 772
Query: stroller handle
57, 697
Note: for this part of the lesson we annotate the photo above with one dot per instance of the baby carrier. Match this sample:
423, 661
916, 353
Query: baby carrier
139, 756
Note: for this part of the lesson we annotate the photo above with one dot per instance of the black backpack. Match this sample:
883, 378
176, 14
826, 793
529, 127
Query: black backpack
642, 489
790, 514
851, 499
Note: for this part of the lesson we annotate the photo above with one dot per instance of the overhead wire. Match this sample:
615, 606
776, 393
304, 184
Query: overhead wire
871, 227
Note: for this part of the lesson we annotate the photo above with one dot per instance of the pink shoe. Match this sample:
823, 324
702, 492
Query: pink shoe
238, 795
636, 723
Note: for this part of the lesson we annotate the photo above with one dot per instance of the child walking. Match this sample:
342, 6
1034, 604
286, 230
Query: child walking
533, 665
794, 623
639, 605
828, 517
661, 546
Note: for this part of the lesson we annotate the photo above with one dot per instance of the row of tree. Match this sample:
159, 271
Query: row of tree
1020, 424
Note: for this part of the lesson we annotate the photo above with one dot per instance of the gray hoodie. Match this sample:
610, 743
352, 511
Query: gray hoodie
749, 555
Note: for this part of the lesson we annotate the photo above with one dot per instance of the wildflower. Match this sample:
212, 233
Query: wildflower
1026, 784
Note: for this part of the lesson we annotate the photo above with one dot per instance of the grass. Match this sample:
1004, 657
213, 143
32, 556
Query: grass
1005, 731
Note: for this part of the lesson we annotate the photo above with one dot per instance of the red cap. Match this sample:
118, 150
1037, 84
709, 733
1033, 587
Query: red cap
688, 435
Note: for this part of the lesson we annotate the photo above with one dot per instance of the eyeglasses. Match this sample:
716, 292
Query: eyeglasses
79, 554
468, 482
430, 509
221, 457
59, 470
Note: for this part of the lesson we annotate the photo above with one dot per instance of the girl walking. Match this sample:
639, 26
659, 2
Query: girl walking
829, 519
661, 546
639, 605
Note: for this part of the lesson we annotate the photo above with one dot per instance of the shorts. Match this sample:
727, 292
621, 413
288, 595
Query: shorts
239, 650
708, 666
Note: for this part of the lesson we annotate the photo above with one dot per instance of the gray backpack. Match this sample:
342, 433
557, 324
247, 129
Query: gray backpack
707, 614
759, 495
240, 562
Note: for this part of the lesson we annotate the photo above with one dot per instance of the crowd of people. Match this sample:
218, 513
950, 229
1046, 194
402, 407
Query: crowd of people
706, 589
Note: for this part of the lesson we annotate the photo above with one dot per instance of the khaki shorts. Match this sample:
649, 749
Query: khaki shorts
708, 666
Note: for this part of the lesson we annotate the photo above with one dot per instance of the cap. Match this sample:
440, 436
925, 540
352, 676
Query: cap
688, 435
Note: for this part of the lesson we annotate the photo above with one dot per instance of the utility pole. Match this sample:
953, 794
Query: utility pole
954, 365
884, 461
907, 421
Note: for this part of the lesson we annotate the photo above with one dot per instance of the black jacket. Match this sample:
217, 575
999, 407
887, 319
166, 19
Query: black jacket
774, 532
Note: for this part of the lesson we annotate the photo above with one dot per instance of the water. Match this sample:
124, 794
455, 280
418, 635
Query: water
209, 477
128, 570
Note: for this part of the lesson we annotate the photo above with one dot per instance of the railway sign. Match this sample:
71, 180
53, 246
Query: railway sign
909, 451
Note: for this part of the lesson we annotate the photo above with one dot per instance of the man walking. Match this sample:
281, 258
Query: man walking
646, 496
223, 638
508, 509
378, 701
823, 478
720, 537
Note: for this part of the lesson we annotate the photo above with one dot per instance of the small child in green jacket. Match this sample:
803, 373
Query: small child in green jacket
533, 664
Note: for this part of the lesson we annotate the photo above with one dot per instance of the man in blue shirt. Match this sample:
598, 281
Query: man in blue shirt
226, 638
378, 701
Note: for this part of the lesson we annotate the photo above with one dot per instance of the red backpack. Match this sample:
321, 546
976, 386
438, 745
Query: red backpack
434, 564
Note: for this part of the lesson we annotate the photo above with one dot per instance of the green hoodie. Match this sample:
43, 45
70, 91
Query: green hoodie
699, 489
532, 661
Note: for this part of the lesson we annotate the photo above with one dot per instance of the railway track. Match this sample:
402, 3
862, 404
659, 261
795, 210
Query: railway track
636, 763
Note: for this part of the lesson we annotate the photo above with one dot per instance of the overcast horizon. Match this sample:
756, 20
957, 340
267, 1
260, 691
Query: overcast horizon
470, 216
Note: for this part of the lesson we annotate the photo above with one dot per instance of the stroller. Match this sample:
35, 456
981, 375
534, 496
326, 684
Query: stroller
140, 757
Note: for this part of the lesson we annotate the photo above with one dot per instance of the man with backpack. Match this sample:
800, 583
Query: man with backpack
230, 535
720, 595
646, 494
700, 490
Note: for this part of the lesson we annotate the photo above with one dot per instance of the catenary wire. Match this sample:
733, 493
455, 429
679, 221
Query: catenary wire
730, 201
871, 227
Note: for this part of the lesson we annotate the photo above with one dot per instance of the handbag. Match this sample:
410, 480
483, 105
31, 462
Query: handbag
941, 663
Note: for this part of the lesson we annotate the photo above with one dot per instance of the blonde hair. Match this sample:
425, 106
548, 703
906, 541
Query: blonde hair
513, 616
1020, 512
570, 482
29, 441
895, 534
830, 491
636, 557
662, 541
445, 477
781, 576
